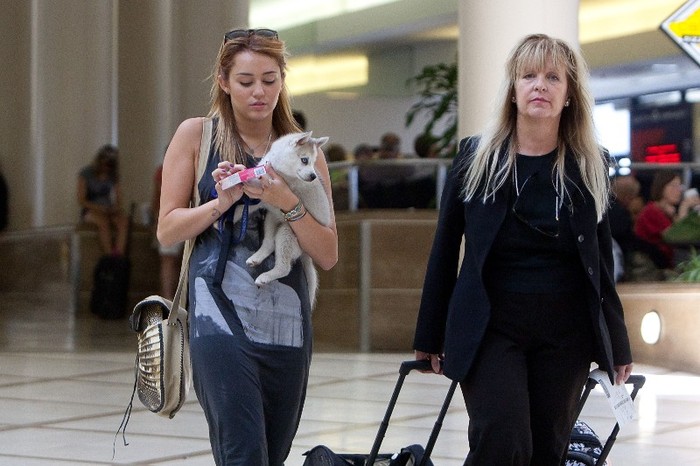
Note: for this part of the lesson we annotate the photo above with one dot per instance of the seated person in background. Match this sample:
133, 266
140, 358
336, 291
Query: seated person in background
624, 207
339, 176
384, 186
423, 181
666, 205
299, 118
424, 146
389, 146
99, 196
363, 152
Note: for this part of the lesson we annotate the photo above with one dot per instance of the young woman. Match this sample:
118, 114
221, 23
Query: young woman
250, 346
534, 302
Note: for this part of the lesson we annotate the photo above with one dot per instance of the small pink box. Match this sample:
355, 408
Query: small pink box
243, 176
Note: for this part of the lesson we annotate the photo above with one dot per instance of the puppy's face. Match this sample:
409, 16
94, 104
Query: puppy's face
294, 155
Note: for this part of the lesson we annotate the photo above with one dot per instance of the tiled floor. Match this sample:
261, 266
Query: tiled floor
65, 382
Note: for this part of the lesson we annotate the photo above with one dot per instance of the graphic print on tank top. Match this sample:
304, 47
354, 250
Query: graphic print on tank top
270, 314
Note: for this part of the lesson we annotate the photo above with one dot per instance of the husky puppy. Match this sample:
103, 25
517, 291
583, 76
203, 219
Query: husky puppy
293, 157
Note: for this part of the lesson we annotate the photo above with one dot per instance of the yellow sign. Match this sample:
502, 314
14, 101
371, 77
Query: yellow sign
683, 26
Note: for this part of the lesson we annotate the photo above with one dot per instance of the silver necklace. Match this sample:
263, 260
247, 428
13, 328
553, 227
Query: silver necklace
253, 149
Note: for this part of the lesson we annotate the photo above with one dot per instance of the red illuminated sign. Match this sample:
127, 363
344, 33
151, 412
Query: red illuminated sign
662, 153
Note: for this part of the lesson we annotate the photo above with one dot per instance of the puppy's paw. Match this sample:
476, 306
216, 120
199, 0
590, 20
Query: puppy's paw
263, 279
252, 261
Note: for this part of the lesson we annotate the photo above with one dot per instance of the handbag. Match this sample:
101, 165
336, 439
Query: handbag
163, 368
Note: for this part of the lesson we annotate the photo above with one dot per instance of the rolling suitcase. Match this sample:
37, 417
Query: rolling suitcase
412, 455
585, 447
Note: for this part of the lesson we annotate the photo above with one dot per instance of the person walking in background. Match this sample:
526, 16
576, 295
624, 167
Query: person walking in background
534, 302
250, 346
99, 196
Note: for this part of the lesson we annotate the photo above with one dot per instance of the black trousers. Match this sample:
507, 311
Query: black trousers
522, 391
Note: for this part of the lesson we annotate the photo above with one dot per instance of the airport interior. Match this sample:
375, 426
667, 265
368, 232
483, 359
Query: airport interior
79, 74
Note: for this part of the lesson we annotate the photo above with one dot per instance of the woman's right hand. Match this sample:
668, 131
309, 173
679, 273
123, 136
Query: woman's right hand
433, 358
688, 204
227, 197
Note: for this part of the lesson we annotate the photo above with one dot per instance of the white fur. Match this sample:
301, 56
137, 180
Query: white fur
293, 157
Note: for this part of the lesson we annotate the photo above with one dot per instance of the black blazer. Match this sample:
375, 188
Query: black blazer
455, 308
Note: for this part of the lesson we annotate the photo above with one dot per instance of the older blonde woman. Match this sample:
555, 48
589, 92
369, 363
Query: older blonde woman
534, 301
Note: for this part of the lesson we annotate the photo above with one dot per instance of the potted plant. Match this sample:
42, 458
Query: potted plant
689, 270
437, 85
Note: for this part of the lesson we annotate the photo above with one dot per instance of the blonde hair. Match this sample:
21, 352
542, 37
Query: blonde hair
486, 173
227, 139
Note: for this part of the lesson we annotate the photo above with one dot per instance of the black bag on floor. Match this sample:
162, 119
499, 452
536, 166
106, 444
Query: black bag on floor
110, 287
321, 455
412, 455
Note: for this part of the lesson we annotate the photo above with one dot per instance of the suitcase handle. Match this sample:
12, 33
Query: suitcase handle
415, 365
637, 381
404, 370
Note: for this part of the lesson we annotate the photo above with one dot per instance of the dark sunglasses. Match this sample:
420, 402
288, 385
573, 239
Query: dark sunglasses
549, 232
236, 33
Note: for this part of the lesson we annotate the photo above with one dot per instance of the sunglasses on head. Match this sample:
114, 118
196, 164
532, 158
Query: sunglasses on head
236, 33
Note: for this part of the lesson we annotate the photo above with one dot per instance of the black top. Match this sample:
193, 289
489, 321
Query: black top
535, 250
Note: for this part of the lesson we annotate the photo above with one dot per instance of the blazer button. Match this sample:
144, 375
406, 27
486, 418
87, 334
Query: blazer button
590, 270
580, 238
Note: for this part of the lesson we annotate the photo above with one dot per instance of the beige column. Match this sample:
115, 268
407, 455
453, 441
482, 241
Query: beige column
166, 52
488, 30
78, 74
56, 85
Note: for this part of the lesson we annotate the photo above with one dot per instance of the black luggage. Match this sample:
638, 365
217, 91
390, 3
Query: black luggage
110, 287
110, 282
585, 448
412, 455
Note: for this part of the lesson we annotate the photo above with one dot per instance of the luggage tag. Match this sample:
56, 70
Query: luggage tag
618, 398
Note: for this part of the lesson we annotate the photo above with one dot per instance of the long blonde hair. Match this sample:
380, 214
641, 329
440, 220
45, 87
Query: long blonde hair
486, 172
227, 139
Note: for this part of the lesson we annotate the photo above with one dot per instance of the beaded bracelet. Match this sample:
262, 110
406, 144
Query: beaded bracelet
295, 214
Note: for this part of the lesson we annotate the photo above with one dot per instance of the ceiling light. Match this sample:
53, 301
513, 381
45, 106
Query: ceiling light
309, 74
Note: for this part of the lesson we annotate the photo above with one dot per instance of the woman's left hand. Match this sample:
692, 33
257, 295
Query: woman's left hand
272, 190
623, 373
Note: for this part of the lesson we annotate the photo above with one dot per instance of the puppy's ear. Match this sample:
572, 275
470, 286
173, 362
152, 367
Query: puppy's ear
320, 141
303, 138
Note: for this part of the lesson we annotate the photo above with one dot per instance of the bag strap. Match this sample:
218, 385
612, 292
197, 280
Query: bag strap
181, 291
